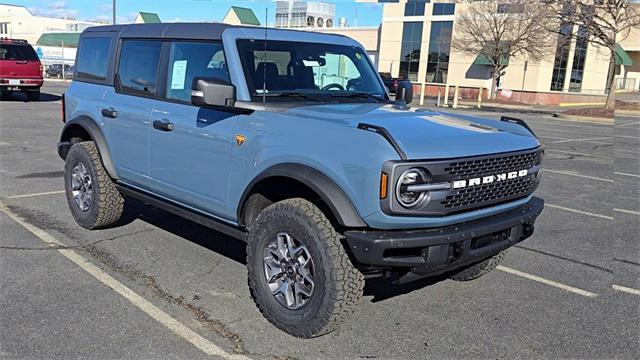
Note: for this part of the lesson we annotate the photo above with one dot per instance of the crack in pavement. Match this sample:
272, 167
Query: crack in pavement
77, 246
149, 281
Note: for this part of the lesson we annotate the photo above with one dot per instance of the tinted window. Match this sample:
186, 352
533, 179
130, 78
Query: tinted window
93, 58
414, 7
192, 59
17, 52
138, 67
443, 9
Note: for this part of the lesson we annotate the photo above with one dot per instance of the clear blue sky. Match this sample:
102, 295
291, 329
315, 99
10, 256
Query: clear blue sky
185, 10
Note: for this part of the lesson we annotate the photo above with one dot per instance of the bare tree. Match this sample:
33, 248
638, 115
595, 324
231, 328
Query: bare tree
605, 22
500, 30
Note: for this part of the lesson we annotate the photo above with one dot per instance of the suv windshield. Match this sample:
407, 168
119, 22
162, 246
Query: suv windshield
297, 70
17, 52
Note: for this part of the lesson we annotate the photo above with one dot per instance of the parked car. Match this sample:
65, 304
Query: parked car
20, 69
55, 70
68, 74
389, 81
327, 179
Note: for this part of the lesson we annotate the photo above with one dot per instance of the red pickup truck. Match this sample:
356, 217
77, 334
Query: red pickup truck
20, 69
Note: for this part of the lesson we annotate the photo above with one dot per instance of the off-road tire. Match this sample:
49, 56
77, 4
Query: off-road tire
480, 269
338, 284
33, 95
109, 208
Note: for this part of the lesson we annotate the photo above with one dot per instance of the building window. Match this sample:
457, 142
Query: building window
561, 58
443, 9
4, 28
410, 51
510, 8
439, 51
414, 7
577, 69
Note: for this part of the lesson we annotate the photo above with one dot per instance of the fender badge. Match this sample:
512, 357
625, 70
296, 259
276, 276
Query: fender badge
240, 139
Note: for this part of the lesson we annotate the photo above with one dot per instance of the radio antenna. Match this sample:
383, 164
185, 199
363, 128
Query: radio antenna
264, 59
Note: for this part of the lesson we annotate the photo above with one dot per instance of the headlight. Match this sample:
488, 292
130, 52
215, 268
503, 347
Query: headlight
413, 176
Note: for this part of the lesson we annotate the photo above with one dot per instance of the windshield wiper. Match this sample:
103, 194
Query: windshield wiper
293, 94
359, 95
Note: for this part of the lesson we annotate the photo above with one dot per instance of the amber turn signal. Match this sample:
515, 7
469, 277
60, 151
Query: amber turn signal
384, 182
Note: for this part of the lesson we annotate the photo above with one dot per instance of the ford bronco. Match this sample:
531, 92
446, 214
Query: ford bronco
289, 141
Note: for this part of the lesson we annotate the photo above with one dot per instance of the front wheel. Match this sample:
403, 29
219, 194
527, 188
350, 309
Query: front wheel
300, 275
480, 269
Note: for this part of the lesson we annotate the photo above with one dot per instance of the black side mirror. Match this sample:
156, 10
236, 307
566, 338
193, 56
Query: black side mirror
404, 92
209, 91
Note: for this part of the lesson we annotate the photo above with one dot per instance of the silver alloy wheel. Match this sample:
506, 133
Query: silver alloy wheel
289, 270
81, 186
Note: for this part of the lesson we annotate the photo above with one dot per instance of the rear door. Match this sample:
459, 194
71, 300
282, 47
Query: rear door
127, 108
191, 146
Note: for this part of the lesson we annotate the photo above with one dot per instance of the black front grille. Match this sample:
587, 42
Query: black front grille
499, 191
491, 166
489, 193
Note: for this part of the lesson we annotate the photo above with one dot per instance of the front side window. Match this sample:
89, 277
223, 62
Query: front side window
308, 69
188, 60
93, 58
138, 67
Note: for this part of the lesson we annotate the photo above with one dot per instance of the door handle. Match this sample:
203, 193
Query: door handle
163, 125
110, 113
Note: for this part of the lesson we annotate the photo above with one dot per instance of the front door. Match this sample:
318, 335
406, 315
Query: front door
190, 147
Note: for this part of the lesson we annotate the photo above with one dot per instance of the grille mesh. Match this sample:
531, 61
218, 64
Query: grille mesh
491, 166
495, 192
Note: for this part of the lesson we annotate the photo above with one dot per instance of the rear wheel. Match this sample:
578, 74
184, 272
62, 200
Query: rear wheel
300, 275
33, 95
94, 201
480, 269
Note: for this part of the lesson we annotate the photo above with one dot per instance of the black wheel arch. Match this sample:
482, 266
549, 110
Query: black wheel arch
335, 199
86, 129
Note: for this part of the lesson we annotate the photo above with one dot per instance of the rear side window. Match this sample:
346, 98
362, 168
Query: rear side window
93, 58
138, 67
17, 52
188, 60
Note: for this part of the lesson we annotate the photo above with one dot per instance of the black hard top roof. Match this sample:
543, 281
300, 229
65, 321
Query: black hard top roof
211, 31
165, 30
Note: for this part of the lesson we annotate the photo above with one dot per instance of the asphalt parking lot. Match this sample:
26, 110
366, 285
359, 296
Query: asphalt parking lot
163, 287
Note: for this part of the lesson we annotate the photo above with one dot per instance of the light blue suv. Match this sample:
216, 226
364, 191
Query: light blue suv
290, 141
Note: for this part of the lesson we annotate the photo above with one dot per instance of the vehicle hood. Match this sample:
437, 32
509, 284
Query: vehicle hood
427, 134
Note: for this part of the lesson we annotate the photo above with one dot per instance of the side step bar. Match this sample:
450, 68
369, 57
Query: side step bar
184, 212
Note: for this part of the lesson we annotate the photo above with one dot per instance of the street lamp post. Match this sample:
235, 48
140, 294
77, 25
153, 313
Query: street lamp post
114, 12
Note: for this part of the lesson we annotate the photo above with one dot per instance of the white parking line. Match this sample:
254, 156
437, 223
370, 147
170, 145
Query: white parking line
579, 211
575, 174
542, 280
627, 211
630, 124
154, 312
626, 289
583, 139
627, 174
35, 194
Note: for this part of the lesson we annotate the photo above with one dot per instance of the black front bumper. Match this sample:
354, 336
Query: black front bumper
439, 250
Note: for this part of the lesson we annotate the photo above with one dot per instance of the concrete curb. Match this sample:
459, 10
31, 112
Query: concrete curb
589, 119
628, 112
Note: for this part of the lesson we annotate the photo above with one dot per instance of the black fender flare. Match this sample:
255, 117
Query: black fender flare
338, 202
95, 132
